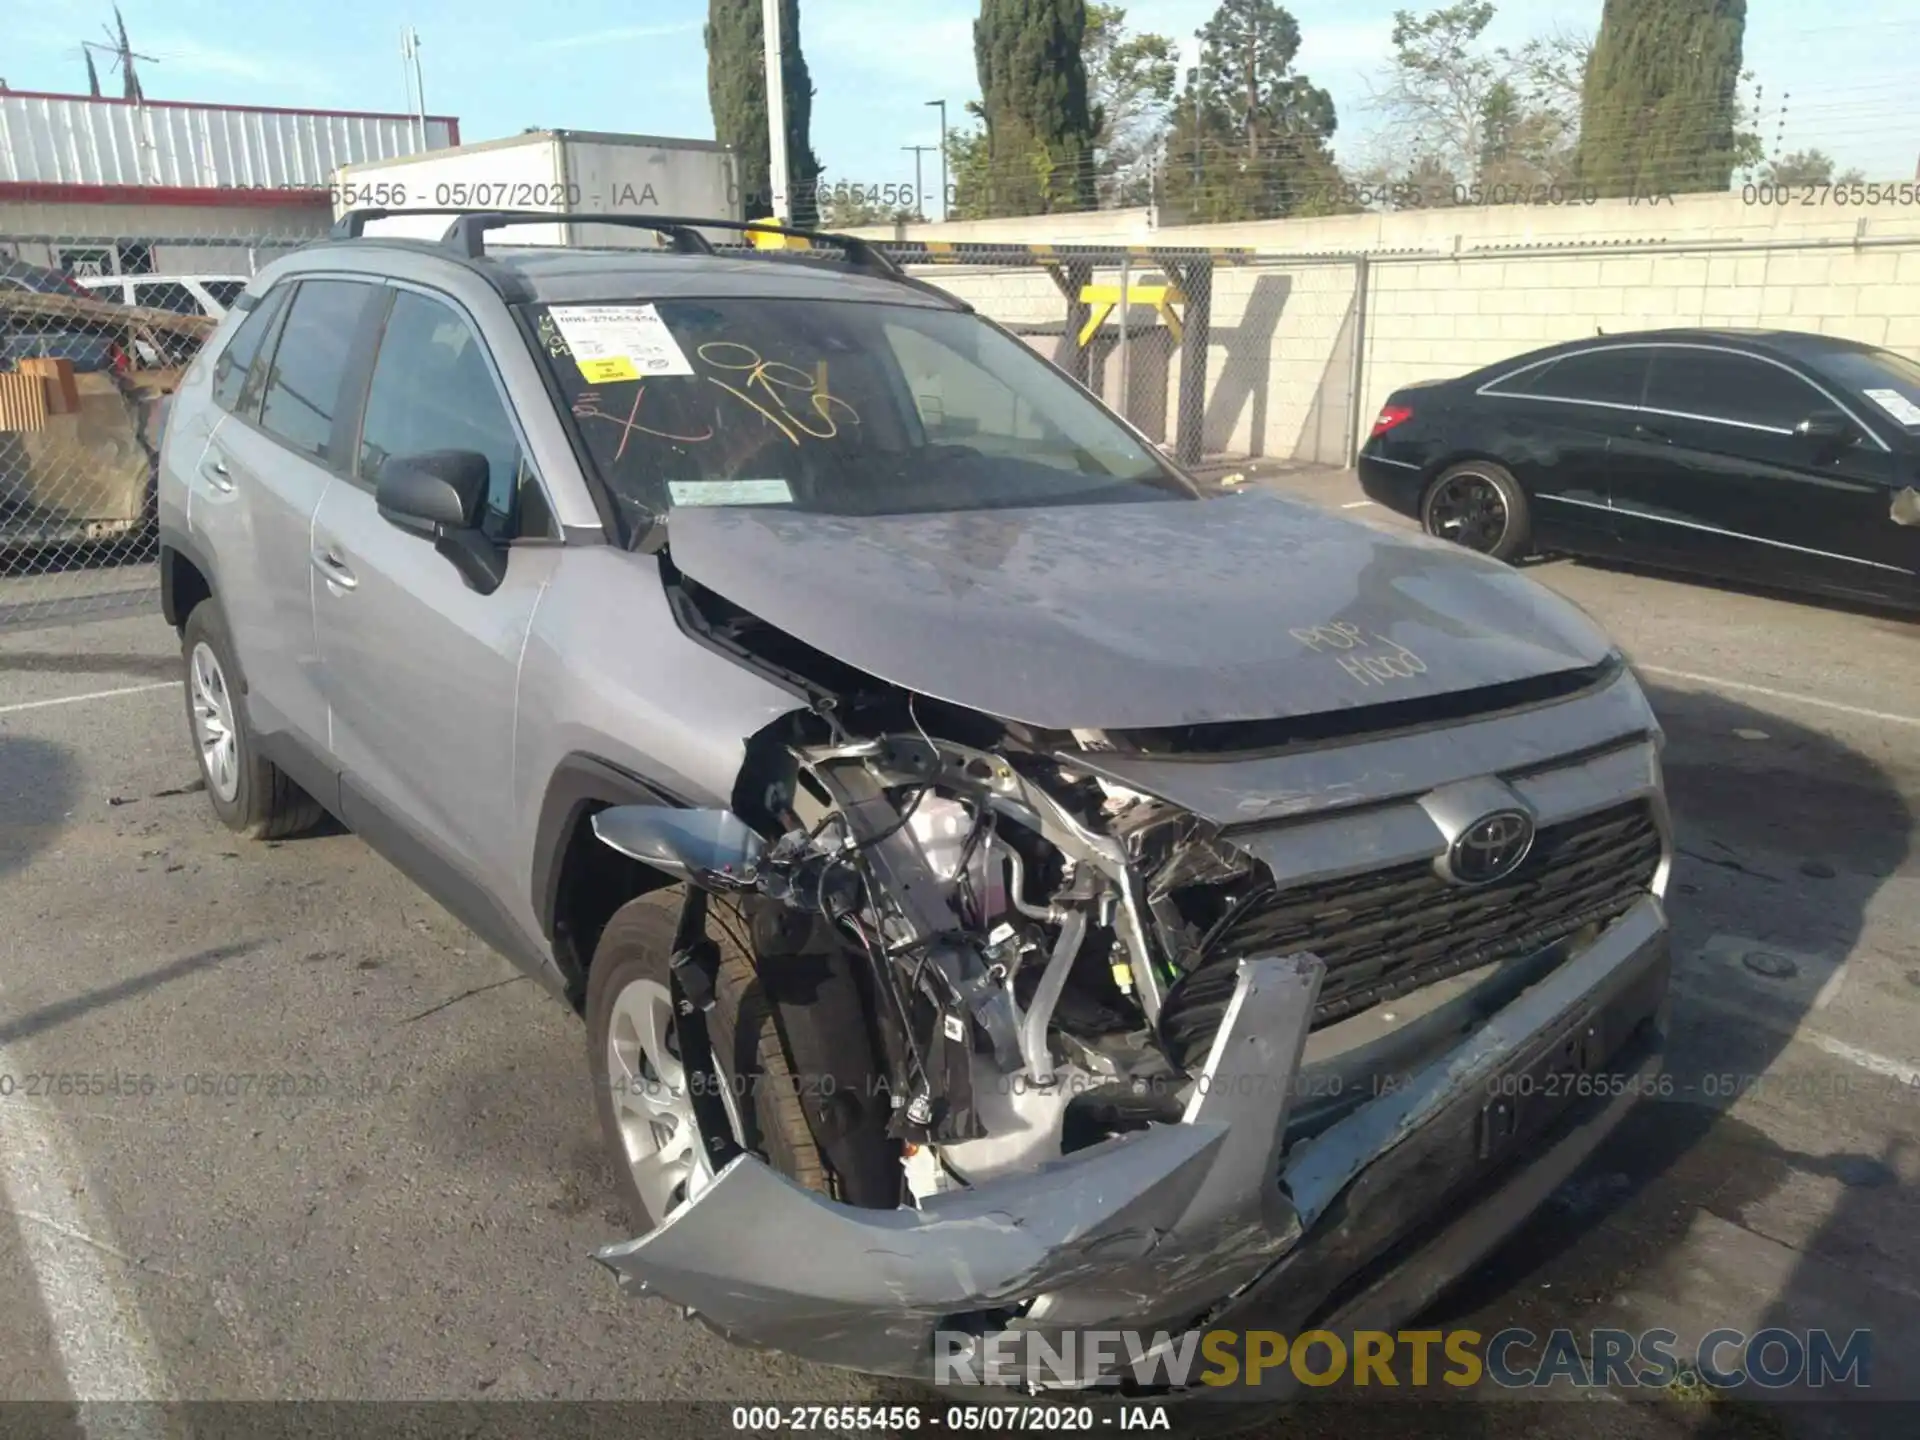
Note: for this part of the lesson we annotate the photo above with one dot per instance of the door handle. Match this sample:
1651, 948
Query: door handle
333, 569
217, 475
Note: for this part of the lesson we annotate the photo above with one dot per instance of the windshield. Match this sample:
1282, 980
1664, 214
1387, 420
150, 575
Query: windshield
1890, 382
833, 406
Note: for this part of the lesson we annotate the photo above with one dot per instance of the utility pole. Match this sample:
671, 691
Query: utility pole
945, 193
776, 113
919, 191
416, 86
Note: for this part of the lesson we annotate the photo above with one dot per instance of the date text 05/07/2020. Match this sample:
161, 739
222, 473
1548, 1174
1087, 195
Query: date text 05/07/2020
990, 1419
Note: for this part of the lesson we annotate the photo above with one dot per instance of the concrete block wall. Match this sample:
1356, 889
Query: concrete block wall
1278, 362
1431, 319
1447, 293
1279, 365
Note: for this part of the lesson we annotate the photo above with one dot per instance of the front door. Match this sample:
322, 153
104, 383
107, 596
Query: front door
420, 670
1731, 487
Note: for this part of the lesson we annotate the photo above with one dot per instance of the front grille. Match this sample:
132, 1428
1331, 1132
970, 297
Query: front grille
1384, 933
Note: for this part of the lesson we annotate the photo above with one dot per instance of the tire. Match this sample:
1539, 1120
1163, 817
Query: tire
251, 795
1445, 517
636, 950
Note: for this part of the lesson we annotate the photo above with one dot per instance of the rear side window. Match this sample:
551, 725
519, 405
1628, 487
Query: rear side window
1604, 377
1720, 385
304, 382
230, 370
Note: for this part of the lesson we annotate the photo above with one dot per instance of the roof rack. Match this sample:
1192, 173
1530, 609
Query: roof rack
467, 234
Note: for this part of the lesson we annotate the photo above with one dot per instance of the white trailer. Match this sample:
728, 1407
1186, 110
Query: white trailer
565, 172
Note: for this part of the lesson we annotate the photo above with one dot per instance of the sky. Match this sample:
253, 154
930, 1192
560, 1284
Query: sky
1832, 76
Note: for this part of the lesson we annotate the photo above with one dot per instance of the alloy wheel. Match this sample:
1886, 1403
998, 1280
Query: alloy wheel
214, 730
1469, 510
652, 1108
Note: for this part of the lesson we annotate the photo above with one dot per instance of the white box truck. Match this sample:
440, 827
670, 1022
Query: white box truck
567, 172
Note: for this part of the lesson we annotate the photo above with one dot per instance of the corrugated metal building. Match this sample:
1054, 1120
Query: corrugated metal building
97, 185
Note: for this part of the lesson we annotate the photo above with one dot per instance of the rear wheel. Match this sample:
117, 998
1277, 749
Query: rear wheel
250, 794
640, 1082
1481, 506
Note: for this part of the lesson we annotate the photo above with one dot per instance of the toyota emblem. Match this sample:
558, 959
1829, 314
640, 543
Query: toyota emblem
1491, 848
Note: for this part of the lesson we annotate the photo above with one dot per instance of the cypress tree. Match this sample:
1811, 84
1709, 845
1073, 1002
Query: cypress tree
737, 90
1660, 108
1033, 88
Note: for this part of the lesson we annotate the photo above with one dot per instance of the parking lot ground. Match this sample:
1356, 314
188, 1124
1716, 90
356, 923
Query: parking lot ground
75, 583
337, 1150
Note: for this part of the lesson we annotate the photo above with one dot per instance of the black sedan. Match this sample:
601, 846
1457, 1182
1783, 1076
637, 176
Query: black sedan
1768, 456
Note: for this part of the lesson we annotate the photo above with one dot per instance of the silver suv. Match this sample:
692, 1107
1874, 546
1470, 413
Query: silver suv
1007, 887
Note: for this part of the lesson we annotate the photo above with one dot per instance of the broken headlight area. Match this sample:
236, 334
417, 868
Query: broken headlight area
1001, 936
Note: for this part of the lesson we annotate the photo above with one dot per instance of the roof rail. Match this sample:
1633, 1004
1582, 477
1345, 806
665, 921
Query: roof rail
468, 232
352, 225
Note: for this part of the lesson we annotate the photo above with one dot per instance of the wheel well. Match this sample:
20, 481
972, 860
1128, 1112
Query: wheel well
182, 587
592, 881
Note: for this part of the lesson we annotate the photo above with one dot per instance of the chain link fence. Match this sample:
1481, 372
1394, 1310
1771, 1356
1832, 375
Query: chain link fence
95, 332
1220, 355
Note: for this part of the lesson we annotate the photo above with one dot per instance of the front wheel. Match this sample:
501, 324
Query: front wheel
1479, 505
641, 1085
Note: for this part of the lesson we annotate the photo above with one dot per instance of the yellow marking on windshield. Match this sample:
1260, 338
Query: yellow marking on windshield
778, 384
587, 407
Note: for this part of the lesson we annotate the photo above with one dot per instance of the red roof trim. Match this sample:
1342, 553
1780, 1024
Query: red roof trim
37, 193
447, 120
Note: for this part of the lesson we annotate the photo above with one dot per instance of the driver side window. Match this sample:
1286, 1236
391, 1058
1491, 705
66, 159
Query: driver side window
1737, 389
433, 389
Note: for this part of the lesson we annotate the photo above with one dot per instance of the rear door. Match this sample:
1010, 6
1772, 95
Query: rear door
420, 670
1555, 425
1725, 483
257, 487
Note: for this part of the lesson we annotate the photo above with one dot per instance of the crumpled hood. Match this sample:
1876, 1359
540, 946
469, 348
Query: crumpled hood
1141, 615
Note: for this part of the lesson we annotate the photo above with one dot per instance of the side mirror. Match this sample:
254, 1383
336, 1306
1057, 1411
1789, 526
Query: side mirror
712, 848
441, 489
439, 493
1828, 429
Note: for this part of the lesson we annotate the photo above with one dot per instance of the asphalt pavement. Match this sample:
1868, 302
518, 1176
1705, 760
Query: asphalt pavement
273, 1126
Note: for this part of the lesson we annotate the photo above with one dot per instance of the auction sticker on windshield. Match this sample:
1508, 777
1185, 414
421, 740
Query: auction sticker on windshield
619, 342
1896, 405
729, 492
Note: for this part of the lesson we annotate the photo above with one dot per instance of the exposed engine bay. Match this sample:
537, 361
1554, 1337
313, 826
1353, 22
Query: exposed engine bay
991, 902
1078, 1051
1044, 956
1016, 920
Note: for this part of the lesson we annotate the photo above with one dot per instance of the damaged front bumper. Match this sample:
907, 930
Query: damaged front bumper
1226, 1215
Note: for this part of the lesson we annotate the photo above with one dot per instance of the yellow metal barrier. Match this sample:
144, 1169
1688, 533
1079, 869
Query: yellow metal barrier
1160, 295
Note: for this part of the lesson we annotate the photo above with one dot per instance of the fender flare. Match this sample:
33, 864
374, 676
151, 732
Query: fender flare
580, 783
174, 542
